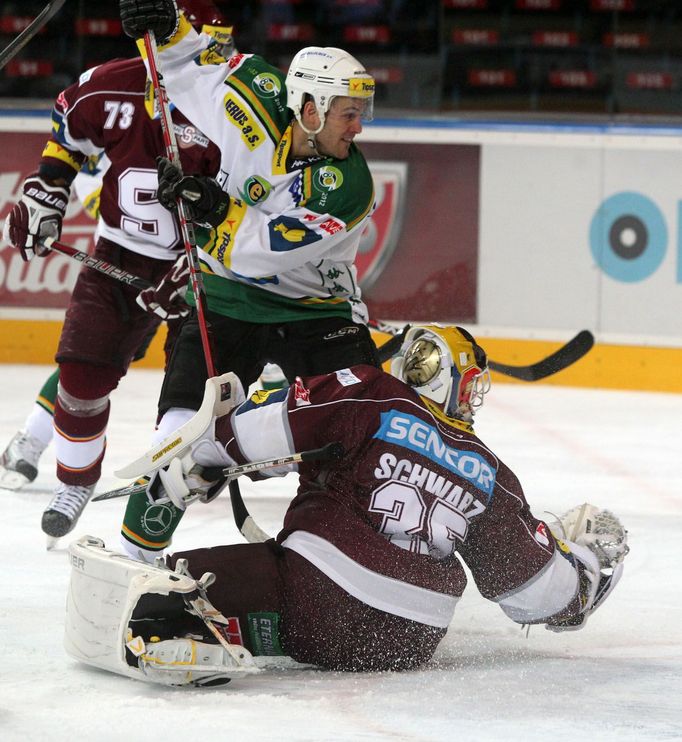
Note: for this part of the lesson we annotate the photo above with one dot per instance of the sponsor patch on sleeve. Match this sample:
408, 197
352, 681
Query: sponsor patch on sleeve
346, 377
301, 394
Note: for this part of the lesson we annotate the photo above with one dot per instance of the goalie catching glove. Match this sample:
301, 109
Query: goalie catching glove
205, 201
166, 299
598, 541
37, 215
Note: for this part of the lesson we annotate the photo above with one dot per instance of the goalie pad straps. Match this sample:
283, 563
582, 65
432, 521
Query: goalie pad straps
113, 600
183, 662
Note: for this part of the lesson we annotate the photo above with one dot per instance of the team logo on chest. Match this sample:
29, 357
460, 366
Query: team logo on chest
187, 135
255, 190
328, 178
266, 85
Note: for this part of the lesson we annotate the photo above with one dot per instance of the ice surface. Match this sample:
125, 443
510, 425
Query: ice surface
618, 679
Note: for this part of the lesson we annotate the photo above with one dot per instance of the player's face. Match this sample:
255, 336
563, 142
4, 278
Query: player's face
341, 125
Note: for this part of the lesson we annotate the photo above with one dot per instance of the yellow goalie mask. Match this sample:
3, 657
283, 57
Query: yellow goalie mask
446, 365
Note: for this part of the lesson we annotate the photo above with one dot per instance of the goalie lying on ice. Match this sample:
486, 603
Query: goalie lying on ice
366, 572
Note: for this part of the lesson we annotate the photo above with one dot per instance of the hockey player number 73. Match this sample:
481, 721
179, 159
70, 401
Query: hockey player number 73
410, 523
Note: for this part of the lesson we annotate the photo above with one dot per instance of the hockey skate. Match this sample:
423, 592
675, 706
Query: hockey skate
19, 461
63, 512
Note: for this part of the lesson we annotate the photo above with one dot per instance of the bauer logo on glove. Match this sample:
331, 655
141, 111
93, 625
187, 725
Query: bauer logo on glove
38, 214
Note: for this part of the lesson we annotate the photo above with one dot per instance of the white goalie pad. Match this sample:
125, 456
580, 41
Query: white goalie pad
104, 590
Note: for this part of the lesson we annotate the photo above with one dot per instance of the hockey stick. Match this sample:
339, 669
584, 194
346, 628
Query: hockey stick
96, 263
14, 47
247, 526
562, 358
332, 451
565, 356
186, 227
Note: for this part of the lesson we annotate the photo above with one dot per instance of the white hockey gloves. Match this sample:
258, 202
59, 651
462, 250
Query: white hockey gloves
599, 541
182, 481
38, 214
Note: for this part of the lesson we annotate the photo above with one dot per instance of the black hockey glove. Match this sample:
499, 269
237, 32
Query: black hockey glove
140, 16
206, 202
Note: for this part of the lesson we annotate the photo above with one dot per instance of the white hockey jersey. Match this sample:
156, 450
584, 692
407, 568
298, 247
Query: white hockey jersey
287, 246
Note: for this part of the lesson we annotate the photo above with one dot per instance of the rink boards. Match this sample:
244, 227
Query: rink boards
525, 233
608, 365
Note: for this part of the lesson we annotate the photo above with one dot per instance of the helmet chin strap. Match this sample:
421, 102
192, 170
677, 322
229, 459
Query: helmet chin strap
312, 143
311, 133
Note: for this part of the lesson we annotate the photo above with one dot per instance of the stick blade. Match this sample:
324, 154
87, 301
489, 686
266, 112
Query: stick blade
562, 358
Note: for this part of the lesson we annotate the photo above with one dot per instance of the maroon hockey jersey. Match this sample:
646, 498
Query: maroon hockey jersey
415, 493
111, 111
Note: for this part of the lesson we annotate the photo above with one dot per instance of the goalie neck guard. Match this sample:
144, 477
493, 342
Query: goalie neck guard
323, 73
446, 365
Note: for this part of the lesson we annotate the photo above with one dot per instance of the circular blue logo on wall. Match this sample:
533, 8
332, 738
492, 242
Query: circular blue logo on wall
628, 236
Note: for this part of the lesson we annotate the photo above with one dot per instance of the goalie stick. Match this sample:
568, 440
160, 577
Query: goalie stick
15, 46
332, 451
562, 358
97, 264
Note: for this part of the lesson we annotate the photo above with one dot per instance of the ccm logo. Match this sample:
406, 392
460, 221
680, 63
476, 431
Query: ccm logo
350, 330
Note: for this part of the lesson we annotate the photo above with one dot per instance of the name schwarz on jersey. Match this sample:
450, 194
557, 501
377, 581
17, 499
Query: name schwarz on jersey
403, 470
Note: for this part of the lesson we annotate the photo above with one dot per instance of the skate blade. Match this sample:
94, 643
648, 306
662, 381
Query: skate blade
12, 480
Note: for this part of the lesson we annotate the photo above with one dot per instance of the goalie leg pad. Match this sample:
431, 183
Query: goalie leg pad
186, 662
114, 601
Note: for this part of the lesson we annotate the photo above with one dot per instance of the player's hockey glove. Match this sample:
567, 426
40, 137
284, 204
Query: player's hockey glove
205, 201
166, 299
598, 541
140, 16
38, 214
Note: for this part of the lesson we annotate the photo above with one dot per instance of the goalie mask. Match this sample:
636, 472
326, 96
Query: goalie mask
205, 17
321, 74
445, 365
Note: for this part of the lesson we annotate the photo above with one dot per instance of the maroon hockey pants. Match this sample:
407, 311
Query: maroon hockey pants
318, 622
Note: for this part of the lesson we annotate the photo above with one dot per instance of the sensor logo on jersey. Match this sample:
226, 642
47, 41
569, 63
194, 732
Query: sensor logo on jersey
414, 434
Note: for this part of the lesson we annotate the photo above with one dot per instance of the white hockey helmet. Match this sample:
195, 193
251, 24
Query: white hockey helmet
325, 73
446, 365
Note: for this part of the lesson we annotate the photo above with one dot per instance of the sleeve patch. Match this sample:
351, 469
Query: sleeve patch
288, 234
